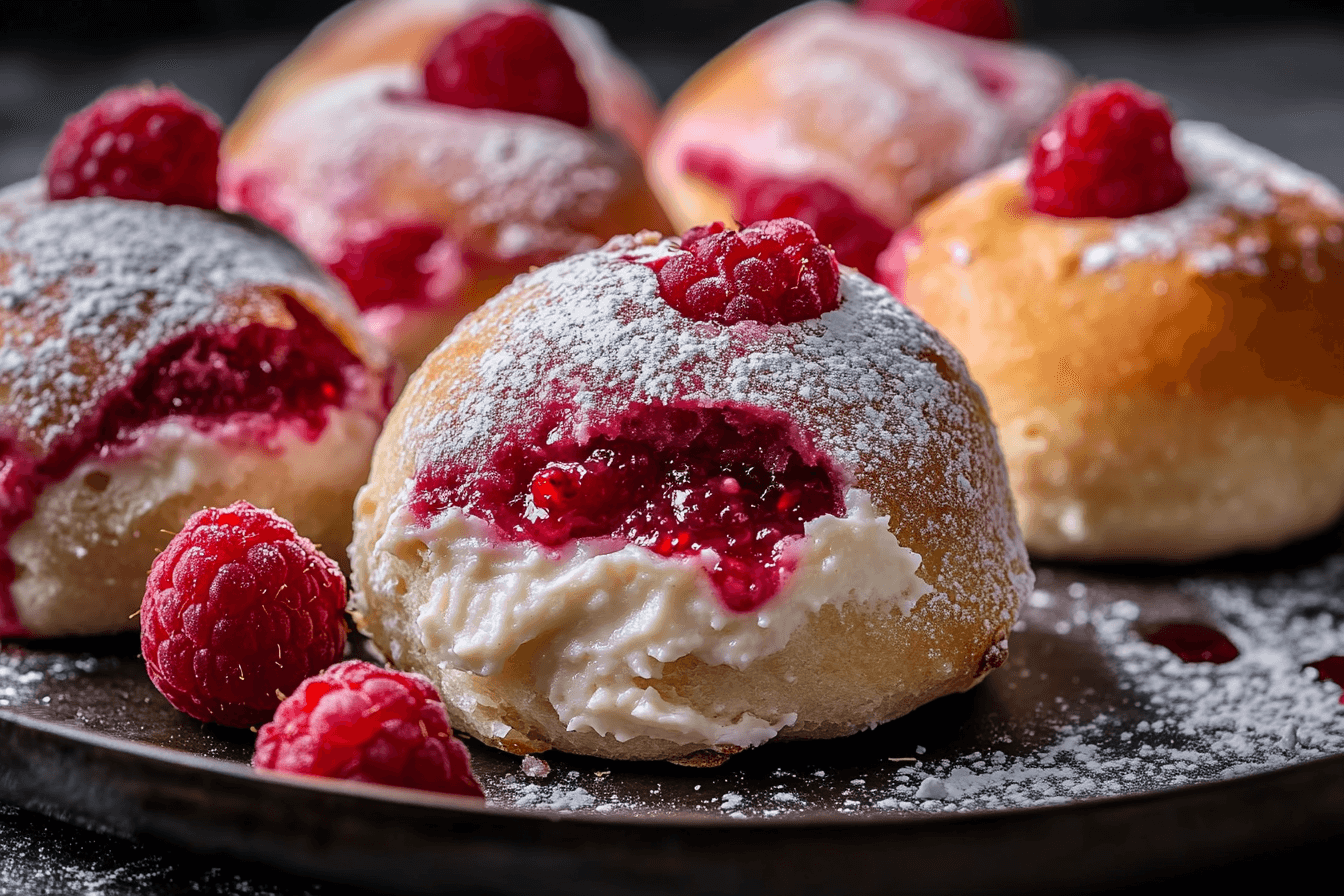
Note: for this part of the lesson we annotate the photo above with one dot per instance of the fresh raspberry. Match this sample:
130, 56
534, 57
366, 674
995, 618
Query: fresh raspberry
773, 272
363, 723
856, 236
1107, 154
510, 61
238, 610
979, 18
140, 143
399, 264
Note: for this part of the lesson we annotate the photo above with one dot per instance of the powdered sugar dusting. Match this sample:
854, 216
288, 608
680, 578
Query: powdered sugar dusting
1227, 175
506, 186
89, 286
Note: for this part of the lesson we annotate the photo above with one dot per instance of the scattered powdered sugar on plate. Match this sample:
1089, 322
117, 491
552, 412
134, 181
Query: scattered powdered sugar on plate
1122, 717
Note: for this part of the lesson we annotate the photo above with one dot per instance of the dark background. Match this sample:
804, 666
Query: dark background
1273, 71
99, 25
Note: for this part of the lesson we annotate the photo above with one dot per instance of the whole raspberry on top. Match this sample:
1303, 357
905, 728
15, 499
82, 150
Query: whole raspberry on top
510, 61
142, 143
238, 610
362, 723
1107, 154
773, 271
980, 18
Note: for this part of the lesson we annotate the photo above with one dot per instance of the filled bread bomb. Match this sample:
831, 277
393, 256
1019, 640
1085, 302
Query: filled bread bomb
427, 184
370, 33
848, 120
1157, 319
673, 499
157, 358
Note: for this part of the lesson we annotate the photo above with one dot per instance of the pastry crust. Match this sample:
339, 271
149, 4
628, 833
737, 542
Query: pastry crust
869, 385
1167, 386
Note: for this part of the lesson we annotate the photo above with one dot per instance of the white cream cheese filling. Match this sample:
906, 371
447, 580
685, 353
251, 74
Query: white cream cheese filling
601, 623
99, 529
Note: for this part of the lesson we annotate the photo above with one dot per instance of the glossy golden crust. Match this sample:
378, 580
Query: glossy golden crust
1168, 386
935, 470
399, 32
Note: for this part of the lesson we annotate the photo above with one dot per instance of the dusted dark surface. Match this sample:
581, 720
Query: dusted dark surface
1282, 86
82, 732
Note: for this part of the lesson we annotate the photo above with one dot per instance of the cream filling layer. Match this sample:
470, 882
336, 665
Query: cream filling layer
84, 554
601, 623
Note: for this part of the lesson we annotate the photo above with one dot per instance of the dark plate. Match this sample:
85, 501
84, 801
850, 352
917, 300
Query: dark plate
1092, 758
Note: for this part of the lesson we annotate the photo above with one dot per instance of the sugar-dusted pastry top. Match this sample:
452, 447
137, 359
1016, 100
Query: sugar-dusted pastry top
1233, 291
366, 150
89, 288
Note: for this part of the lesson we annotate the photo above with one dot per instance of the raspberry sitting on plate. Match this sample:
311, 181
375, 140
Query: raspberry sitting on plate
362, 723
238, 610
142, 143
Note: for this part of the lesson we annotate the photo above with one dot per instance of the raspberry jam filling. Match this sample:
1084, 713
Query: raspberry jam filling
725, 485
856, 236
208, 377
1330, 669
409, 265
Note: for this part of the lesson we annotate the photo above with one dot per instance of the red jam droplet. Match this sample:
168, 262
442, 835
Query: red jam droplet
511, 61
1330, 669
1107, 154
204, 378
775, 272
1194, 643
724, 485
856, 236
